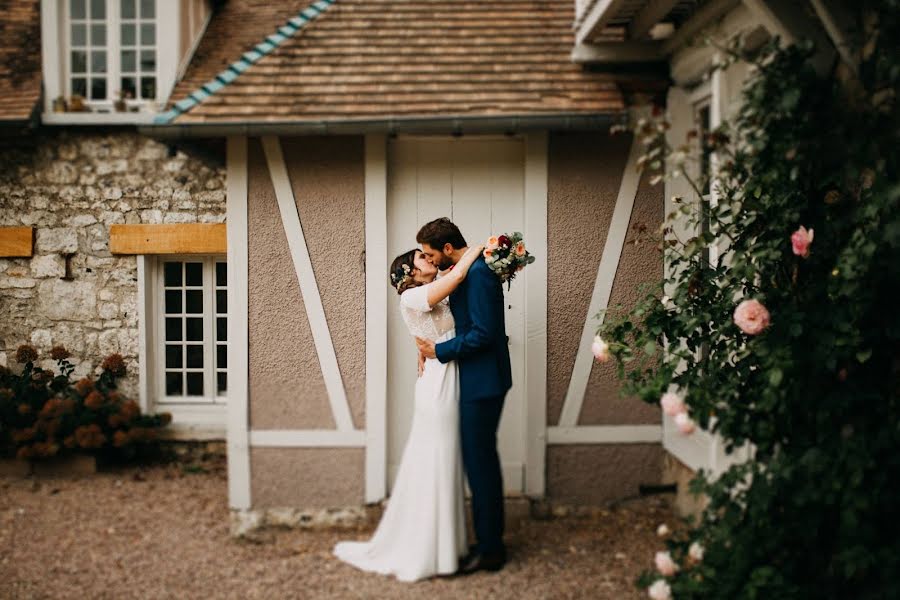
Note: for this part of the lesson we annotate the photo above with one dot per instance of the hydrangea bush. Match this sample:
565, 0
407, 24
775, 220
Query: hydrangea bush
788, 341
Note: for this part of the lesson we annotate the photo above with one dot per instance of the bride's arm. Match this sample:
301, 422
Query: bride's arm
444, 286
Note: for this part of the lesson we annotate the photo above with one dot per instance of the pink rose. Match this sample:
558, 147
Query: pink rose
684, 423
672, 404
800, 241
487, 253
520, 248
664, 564
660, 590
696, 552
751, 316
600, 349
493, 242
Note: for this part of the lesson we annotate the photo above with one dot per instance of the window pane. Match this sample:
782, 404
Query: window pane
98, 35
148, 88
173, 329
174, 384
221, 382
174, 356
79, 61
194, 329
76, 9
221, 356
195, 384
148, 9
98, 89
79, 87
221, 329
193, 301
173, 301
79, 35
129, 61
127, 8
148, 34
98, 62
221, 302
128, 87
221, 271
98, 9
193, 273
128, 35
172, 274
195, 356
148, 61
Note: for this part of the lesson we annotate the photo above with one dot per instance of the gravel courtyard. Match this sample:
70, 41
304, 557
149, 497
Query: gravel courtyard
161, 531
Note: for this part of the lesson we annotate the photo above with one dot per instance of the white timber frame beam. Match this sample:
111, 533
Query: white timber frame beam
307, 438
617, 52
238, 348
606, 274
376, 316
605, 434
597, 18
312, 300
652, 13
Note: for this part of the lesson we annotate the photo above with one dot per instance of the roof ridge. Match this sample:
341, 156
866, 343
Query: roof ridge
271, 42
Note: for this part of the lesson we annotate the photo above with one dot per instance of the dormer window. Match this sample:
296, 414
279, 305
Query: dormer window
112, 51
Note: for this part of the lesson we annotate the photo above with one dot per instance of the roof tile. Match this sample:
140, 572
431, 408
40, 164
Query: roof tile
20, 58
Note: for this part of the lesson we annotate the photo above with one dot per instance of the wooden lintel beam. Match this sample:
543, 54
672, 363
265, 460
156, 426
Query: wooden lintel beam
652, 13
598, 17
16, 241
168, 238
617, 52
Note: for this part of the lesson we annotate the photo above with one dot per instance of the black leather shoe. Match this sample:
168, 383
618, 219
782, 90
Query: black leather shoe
482, 562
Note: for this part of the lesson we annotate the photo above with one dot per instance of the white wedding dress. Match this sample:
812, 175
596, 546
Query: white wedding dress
422, 531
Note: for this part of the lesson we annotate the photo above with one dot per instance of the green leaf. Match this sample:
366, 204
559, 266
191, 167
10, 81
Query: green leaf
775, 377
650, 348
863, 355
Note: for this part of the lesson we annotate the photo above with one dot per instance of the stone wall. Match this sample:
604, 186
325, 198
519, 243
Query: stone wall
71, 186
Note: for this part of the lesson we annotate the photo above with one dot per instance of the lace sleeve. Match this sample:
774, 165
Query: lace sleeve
416, 299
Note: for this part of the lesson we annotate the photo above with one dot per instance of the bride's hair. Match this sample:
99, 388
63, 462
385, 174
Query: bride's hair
401, 271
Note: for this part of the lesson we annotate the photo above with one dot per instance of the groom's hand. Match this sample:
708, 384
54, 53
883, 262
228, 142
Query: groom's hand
426, 348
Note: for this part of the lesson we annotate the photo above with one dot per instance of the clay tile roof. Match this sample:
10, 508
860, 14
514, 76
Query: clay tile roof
20, 58
375, 59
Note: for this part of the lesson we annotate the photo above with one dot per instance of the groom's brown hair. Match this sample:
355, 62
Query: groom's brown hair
439, 232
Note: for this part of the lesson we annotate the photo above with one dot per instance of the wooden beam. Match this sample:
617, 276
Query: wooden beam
838, 23
700, 19
16, 241
617, 52
168, 238
790, 21
652, 13
598, 17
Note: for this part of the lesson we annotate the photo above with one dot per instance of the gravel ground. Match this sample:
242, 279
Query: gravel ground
161, 531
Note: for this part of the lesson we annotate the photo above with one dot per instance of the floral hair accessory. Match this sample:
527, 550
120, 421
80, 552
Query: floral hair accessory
506, 255
401, 276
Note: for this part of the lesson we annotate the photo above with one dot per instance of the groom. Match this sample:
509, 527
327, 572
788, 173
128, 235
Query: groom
482, 354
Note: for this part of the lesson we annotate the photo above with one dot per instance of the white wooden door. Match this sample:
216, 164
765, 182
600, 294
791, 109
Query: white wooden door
479, 183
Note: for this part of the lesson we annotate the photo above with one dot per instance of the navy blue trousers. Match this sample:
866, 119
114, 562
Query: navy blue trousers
478, 420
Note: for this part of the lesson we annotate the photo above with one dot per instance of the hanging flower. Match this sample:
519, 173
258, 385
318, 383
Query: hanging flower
664, 564
751, 316
800, 241
684, 423
660, 590
672, 404
600, 349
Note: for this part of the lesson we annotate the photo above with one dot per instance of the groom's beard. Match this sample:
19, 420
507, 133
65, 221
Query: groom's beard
446, 263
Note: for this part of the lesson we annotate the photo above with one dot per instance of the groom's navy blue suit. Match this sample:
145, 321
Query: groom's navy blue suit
482, 354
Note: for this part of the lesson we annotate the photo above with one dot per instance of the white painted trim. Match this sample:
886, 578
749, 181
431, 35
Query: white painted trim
98, 118
605, 434
145, 319
196, 37
312, 301
606, 273
597, 18
238, 349
376, 321
168, 41
307, 438
536, 156
50, 53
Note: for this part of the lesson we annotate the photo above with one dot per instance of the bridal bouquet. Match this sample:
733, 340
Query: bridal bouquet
506, 255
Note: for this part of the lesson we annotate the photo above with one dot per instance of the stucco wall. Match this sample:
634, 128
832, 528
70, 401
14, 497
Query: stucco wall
307, 477
585, 172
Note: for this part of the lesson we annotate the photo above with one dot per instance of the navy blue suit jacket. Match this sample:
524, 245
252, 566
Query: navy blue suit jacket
480, 347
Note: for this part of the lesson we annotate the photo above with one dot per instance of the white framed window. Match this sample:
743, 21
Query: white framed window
190, 330
111, 52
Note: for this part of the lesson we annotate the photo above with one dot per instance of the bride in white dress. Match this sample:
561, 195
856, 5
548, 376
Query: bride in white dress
423, 529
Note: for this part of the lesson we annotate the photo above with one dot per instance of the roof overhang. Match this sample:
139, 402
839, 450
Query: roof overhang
454, 125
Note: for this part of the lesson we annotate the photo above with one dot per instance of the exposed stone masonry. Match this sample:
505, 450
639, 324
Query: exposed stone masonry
71, 186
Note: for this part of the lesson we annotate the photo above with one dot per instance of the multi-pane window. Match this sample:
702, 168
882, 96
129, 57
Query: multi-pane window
112, 50
193, 328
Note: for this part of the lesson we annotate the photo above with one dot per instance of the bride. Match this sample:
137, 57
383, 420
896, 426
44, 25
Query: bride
423, 529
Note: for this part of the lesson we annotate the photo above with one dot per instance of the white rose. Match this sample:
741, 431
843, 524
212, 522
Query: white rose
696, 551
660, 590
600, 349
684, 423
662, 530
664, 564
